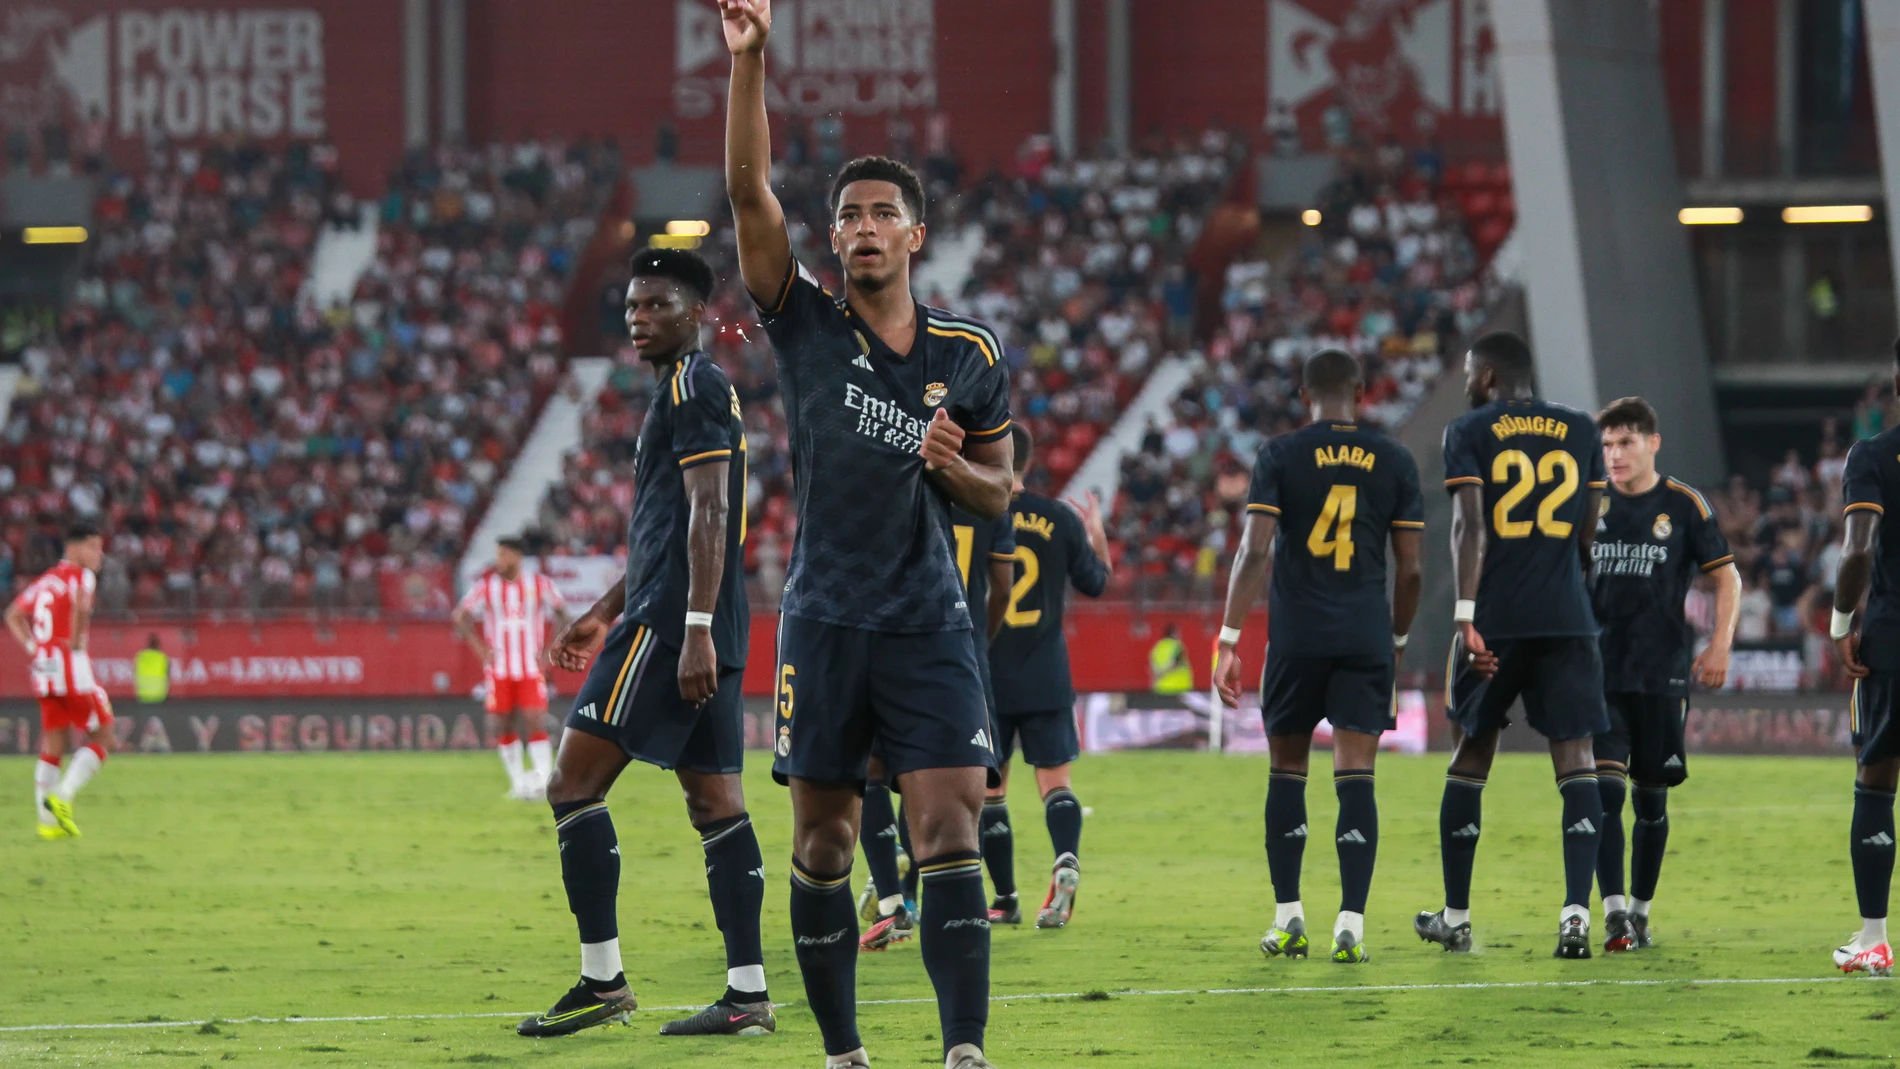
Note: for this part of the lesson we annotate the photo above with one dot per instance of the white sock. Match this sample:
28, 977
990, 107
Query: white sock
1288, 911
1873, 931
746, 978
886, 906
1640, 906
1615, 904
511, 760
1575, 911
45, 781
1350, 922
541, 754
601, 961
1455, 917
78, 771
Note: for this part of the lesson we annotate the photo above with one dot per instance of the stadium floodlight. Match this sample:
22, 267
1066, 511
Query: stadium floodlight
673, 241
1708, 216
689, 228
54, 235
1828, 213
1310, 217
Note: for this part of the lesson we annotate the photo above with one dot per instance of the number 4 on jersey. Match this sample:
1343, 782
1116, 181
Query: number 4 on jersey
1342, 504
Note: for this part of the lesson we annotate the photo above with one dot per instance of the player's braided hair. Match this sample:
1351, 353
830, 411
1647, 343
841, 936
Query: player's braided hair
881, 169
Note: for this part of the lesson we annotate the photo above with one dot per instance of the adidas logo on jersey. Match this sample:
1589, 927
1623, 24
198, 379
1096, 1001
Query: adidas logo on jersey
1673, 762
863, 363
1353, 836
981, 738
1469, 831
587, 711
1296, 833
1581, 827
1879, 838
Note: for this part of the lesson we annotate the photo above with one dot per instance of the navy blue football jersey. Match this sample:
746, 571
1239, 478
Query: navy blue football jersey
977, 542
1534, 461
1339, 490
1029, 661
873, 548
1649, 548
694, 420
1871, 480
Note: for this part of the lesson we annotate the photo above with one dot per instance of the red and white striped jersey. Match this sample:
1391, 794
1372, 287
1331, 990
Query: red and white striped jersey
48, 603
515, 614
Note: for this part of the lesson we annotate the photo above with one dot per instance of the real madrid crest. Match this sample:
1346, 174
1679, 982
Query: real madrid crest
1661, 527
935, 393
1603, 506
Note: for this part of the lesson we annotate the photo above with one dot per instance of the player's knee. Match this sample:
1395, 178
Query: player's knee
571, 785
1049, 779
824, 843
1879, 775
711, 798
941, 829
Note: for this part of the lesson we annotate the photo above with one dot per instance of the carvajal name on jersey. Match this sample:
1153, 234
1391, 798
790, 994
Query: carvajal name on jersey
1332, 456
884, 421
1041, 525
1548, 426
1628, 558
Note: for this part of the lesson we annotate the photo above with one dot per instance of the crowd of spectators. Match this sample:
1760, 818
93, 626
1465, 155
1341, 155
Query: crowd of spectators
247, 448
1384, 269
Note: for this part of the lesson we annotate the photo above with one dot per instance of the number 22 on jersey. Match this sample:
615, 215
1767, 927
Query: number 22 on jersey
1514, 466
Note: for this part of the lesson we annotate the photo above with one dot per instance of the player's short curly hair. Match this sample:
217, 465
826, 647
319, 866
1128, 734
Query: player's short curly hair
1330, 373
80, 530
1632, 412
881, 169
1505, 351
688, 269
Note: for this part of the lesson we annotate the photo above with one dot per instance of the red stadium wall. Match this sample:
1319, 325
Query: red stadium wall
1108, 648
198, 70
606, 67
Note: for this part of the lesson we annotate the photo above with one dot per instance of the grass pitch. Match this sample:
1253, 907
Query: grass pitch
224, 888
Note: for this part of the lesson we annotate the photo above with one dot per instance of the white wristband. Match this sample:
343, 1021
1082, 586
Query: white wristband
1842, 623
699, 619
1398, 641
1229, 636
1463, 611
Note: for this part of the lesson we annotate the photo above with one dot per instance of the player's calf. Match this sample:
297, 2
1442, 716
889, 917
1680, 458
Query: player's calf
1582, 825
1286, 850
999, 857
1356, 836
1871, 846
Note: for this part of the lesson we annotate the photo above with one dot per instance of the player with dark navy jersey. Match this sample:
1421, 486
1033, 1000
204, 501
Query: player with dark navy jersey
668, 646
895, 412
1336, 493
1656, 537
1526, 478
1870, 653
984, 549
1058, 545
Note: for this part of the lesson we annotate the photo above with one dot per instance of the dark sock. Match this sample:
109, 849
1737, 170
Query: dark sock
1286, 832
1460, 820
878, 836
735, 877
590, 868
1357, 835
1871, 847
1063, 813
1582, 824
955, 933
825, 940
999, 847
1614, 788
1649, 837
903, 838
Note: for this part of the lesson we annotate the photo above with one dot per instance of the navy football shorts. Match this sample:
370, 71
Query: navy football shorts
1560, 679
1871, 716
845, 692
1355, 693
1646, 737
632, 697
1048, 736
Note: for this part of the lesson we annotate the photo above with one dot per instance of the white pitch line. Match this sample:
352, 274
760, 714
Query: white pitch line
1332, 989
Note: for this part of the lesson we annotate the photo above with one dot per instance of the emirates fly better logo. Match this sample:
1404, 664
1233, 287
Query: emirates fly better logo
185, 73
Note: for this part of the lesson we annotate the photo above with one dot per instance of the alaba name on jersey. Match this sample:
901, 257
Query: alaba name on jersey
49, 603
514, 614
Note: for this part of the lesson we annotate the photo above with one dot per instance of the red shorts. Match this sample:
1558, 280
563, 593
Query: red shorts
81, 712
517, 695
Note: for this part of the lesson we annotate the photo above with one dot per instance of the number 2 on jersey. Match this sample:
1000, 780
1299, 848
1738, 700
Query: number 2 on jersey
1556, 466
1032, 570
1342, 504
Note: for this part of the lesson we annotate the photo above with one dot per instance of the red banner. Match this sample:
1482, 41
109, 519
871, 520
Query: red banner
420, 658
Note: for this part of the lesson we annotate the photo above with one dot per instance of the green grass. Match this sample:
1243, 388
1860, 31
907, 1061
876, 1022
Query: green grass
229, 887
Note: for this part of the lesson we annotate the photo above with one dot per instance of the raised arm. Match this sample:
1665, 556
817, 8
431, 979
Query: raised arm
765, 251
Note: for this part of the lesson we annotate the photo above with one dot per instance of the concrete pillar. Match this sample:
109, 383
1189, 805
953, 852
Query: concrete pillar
1120, 75
1714, 86
1062, 91
1883, 54
1788, 84
1613, 303
415, 73
452, 58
